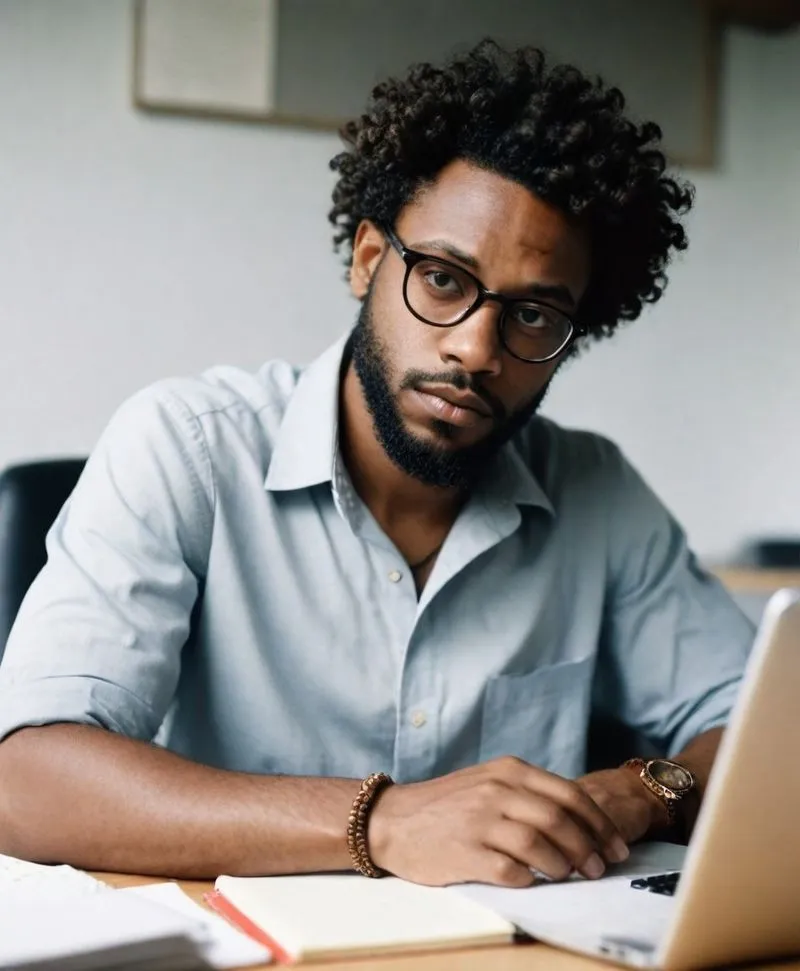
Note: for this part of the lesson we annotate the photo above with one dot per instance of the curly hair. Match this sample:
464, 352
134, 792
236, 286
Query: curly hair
555, 131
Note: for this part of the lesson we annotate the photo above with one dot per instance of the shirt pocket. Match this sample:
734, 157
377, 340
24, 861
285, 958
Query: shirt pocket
541, 717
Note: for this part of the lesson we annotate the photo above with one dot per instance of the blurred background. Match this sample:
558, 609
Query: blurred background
156, 221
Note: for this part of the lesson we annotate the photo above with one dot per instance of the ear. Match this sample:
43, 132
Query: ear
369, 246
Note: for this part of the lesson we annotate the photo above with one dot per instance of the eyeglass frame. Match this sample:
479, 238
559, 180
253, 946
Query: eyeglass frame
412, 257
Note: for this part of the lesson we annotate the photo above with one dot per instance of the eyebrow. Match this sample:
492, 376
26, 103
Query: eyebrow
541, 291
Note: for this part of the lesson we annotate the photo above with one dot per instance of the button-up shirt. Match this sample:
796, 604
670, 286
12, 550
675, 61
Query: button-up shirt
216, 581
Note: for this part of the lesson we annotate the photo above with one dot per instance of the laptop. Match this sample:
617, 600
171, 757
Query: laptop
734, 895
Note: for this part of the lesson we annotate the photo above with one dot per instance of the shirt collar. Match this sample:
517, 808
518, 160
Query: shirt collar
307, 442
511, 480
306, 451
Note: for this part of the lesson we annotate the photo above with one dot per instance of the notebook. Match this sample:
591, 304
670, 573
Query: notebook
20, 877
32, 885
94, 932
302, 918
222, 945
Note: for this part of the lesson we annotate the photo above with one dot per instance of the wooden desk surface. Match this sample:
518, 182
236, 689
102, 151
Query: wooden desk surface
508, 957
755, 579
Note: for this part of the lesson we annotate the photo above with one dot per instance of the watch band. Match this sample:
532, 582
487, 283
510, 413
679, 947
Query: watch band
668, 798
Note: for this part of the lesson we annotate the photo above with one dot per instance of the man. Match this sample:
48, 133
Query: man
386, 562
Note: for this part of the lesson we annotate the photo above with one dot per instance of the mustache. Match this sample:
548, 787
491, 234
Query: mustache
459, 380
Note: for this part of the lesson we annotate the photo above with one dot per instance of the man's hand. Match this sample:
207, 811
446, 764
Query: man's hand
635, 811
492, 823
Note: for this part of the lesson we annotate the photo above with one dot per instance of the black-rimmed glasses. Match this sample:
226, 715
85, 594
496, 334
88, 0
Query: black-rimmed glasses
443, 294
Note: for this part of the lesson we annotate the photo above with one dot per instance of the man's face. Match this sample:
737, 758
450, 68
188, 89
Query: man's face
516, 245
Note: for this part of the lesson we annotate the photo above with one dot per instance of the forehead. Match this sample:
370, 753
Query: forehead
509, 230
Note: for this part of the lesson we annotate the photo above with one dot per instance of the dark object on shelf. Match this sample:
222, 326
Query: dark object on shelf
777, 553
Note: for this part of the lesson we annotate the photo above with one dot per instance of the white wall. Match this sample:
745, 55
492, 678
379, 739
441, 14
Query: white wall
704, 390
134, 247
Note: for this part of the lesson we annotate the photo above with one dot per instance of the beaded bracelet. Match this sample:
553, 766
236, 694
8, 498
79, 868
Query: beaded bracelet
358, 820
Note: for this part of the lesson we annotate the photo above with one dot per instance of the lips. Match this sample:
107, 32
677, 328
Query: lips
461, 415
460, 399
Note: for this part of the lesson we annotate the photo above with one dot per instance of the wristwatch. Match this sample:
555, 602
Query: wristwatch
669, 781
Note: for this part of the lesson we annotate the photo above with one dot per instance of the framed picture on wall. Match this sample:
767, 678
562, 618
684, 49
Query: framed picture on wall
314, 62
206, 57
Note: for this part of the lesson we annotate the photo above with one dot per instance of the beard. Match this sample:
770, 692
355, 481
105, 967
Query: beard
444, 467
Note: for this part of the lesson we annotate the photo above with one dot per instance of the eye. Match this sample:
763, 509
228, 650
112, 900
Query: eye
440, 281
532, 317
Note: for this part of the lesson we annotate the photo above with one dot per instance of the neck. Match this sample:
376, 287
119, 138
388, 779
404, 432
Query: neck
389, 492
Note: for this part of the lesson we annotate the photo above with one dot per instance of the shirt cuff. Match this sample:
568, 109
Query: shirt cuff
80, 700
713, 712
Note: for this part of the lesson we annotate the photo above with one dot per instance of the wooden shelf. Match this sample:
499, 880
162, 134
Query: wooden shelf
766, 14
752, 579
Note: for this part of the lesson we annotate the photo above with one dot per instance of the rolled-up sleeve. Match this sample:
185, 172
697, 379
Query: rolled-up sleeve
674, 642
99, 636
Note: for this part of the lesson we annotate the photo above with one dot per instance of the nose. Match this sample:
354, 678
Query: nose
474, 343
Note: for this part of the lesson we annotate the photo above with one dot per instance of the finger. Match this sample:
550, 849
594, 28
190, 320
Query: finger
572, 798
503, 870
530, 847
540, 816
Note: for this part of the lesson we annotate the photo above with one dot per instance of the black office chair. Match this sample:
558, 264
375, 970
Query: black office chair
31, 496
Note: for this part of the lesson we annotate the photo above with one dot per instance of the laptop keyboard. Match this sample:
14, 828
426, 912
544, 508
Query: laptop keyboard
663, 883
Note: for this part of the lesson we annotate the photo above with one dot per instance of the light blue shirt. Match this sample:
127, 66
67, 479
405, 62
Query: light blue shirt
215, 568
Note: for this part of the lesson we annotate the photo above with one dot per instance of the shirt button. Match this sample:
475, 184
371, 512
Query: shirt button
395, 576
418, 719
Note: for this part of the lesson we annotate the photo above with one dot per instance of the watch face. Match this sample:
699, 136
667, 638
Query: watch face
671, 775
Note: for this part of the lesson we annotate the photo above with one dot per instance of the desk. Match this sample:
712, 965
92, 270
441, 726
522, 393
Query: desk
756, 579
519, 957
751, 587
516, 957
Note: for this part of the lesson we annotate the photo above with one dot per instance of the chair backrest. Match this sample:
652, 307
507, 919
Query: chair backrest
31, 496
